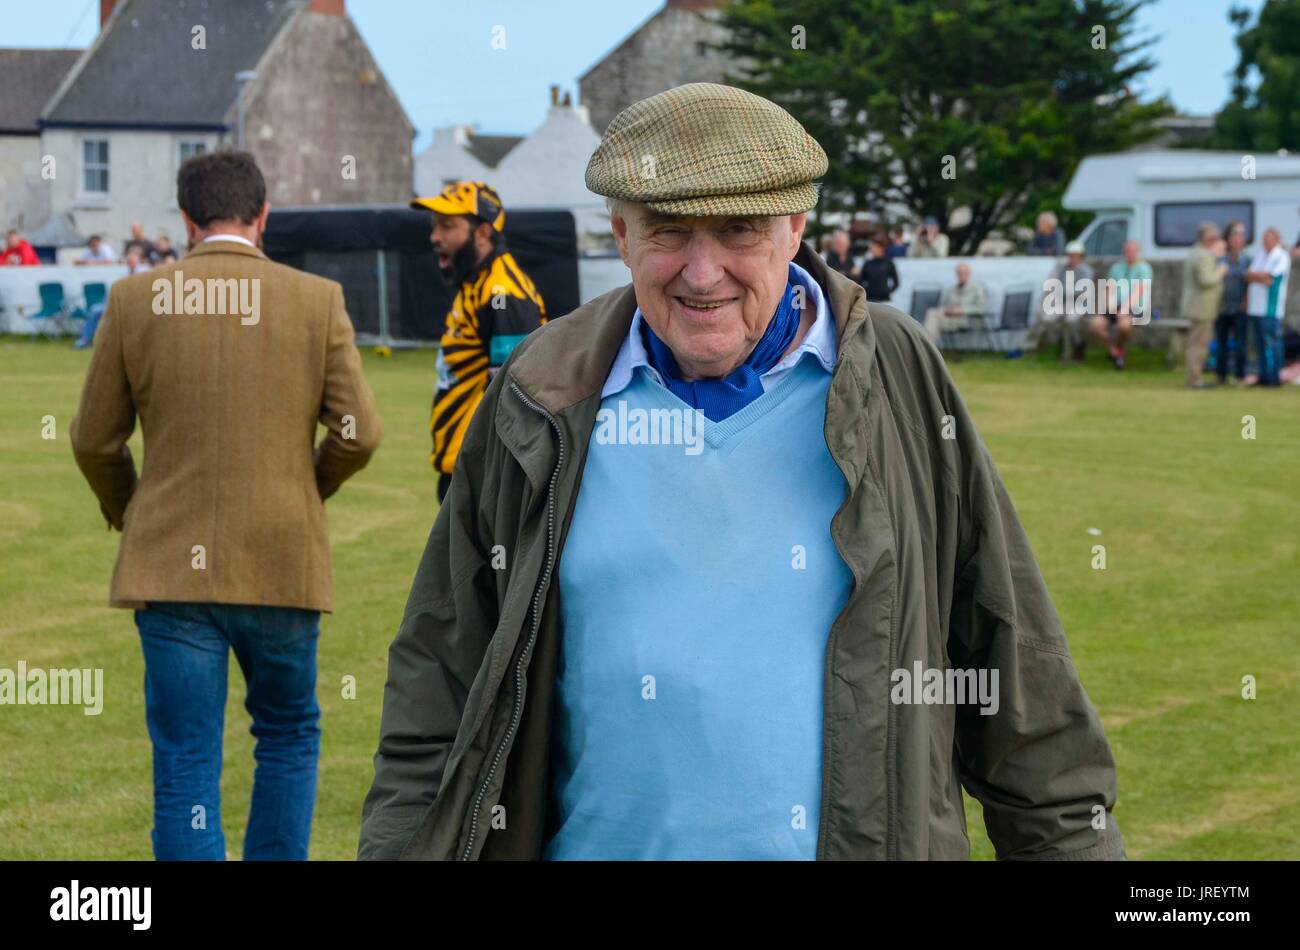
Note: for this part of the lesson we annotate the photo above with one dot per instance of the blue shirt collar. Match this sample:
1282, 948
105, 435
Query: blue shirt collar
819, 342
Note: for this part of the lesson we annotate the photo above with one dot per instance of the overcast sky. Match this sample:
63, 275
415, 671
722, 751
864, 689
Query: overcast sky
438, 54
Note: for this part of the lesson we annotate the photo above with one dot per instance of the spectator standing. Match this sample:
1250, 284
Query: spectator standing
97, 252
137, 239
930, 242
224, 535
1202, 291
897, 246
879, 276
17, 252
1048, 239
1266, 280
839, 257
1231, 326
965, 299
1130, 282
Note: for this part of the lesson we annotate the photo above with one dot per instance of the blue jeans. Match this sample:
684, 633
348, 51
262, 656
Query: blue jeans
92, 324
186, 656
1268, 344
1230, 345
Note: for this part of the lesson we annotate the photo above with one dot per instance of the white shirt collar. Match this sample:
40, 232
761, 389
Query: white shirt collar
819, 341
229, 237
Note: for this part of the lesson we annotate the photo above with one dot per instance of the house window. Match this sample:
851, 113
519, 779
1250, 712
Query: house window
94, 166
1177, 221
188, 148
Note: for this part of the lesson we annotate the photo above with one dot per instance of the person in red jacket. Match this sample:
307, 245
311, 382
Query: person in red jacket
17, 250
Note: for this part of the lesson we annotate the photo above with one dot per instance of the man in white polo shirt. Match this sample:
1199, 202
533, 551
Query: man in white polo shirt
1266, 281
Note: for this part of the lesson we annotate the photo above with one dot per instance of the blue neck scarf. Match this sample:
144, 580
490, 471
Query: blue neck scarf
720, 398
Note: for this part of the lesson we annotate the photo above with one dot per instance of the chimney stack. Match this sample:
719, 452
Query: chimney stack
105, 11
328, 7
555, 94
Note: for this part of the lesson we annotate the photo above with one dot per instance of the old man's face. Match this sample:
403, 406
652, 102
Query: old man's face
708, 286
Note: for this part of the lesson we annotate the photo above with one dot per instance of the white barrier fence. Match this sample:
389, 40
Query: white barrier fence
20, 294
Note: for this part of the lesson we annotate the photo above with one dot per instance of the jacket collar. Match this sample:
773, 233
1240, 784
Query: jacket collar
224, 247
584, 344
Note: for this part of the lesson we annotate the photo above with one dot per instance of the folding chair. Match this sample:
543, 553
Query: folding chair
924, 296
54, 310
1016, 304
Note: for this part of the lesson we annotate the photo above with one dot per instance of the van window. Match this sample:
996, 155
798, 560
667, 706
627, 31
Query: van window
1107, 238
1177, 221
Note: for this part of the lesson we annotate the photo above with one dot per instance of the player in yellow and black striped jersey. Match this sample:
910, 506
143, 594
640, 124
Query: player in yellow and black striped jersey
496, 306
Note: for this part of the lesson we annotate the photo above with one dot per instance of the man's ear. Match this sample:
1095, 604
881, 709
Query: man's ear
618, 224
260, 223
797, 223
191, 229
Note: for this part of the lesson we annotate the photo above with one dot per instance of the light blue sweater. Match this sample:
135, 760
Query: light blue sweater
698, 585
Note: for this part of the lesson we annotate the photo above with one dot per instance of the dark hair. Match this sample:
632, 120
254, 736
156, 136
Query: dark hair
221, 186
1227, 232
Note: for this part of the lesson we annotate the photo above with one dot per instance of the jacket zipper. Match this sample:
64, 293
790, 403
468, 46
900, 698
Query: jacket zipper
518, 709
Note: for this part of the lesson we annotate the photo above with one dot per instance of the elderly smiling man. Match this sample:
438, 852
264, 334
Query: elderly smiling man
800, 641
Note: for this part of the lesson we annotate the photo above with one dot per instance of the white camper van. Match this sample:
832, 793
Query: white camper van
1159, 197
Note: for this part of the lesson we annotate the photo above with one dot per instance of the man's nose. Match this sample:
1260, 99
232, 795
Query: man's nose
703, 268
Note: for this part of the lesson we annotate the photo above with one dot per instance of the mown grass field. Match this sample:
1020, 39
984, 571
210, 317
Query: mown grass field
1202, 587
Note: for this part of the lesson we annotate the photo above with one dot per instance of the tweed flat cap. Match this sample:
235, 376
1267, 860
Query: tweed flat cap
706, 149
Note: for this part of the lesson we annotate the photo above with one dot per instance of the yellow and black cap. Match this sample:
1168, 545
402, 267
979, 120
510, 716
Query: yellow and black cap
475, 198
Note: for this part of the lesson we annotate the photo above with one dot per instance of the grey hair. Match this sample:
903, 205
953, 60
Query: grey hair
615, 206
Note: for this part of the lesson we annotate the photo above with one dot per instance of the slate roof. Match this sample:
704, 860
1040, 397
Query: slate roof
29, 77
490, 149
143, 71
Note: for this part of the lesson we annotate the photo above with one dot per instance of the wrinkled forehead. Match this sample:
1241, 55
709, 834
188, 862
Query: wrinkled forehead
649, 217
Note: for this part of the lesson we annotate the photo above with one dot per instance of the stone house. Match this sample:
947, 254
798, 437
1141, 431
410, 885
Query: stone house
163, 81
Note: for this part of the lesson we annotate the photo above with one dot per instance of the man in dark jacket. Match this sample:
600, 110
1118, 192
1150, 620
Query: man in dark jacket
879, 275
725, 570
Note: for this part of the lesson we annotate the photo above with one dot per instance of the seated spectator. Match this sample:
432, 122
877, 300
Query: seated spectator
17, 252
97, 252
930, 242
838, 257
163, 252
965, 299
1048, 239
1128, 283
1075, 277
135, 260
879, 277
137, 239
897, 246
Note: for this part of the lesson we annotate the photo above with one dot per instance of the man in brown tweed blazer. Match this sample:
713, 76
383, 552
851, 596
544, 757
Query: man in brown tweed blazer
230, 361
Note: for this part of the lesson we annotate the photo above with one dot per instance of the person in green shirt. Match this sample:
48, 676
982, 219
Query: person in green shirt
1125, 293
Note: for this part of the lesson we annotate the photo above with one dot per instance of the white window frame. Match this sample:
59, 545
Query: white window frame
180, 148
84, 167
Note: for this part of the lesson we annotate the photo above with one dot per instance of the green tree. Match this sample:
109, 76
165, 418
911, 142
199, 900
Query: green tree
1263, 111
936, 105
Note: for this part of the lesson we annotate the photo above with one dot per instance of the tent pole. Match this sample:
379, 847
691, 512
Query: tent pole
381, 259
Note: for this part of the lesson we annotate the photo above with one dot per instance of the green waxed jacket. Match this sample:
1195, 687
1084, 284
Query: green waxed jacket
942, 575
